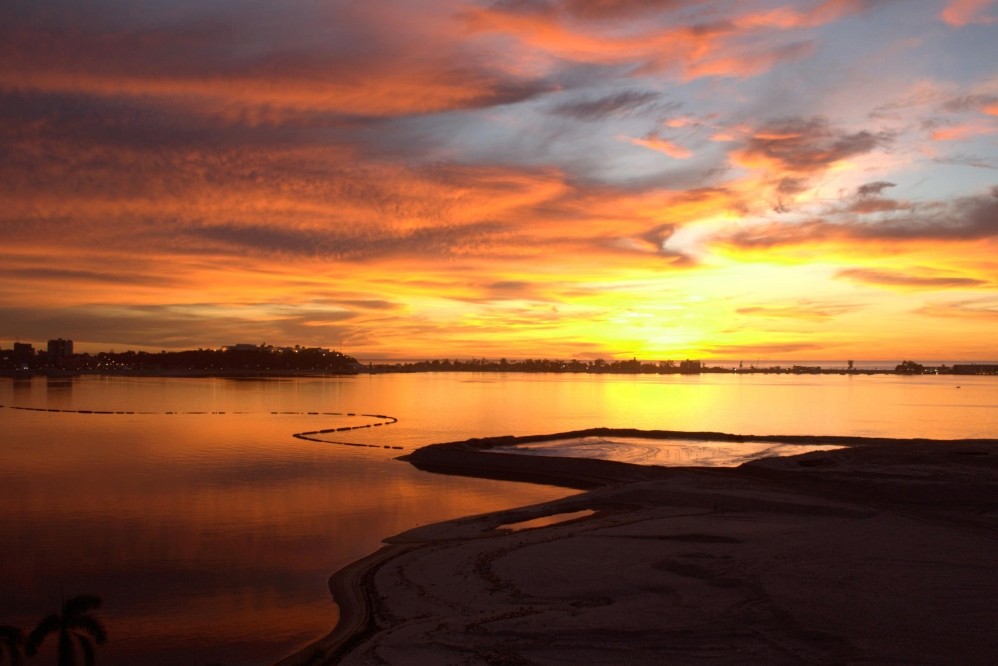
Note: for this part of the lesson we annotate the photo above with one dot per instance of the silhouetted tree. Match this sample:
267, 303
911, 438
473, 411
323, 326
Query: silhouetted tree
909, 368
75, 626
11, 644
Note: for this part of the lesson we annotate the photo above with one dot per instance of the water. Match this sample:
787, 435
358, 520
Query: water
653, 451
210, 536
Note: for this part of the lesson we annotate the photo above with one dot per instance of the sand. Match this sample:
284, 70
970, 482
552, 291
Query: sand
884, 552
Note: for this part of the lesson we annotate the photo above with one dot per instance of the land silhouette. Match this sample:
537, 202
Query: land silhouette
246, 360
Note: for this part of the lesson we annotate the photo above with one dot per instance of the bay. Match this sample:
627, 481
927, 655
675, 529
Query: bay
209, 530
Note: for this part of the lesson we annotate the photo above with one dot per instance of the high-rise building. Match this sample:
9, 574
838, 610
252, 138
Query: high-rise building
59, 350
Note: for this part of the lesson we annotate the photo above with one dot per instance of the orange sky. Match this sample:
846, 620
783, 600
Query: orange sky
739, 180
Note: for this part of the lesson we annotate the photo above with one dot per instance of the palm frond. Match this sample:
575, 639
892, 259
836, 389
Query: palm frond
88, 650
48, 625
11, 642
80, 604
89, 625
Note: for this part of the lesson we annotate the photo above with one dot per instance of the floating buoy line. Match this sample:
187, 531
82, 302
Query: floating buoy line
308, 435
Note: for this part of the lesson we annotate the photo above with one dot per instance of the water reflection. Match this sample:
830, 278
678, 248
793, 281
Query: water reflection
210, 537
674, 452
59, 393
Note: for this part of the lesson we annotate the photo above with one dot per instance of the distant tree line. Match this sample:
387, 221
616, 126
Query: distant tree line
239, 360
632, 367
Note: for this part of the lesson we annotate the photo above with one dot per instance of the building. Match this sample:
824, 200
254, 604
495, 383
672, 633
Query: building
975, 369
23, 351
59, 350
689, 367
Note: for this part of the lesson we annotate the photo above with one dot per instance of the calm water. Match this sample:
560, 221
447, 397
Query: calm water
210, 537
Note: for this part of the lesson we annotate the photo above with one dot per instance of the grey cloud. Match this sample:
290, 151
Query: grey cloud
372, 304
873, 189
970, 103
595, 10
969, 218
338, 244
966, 219
867, 205
522, 6
967, 160
77, 276
808, 145
250, 44
791, 185
594, 110
611, 9
510, 285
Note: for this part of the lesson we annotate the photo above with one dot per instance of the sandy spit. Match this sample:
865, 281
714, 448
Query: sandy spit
884, 552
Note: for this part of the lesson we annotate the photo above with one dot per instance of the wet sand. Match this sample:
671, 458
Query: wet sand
883, 552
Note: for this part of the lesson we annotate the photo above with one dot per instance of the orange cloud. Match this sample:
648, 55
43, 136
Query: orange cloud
691, 51
803, 310
653, 142
919, 279
209, 66
959, 13
980, 310
802, 146
961, 132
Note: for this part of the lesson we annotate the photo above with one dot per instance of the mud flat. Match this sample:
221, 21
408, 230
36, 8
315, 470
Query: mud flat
885, 551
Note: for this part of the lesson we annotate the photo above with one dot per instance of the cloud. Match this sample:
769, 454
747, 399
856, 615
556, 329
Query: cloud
873, 189
959, 13
172, 326
919, 280
251, 63
729, 45
662, 145
982, 103
870, 205
346, 243
373, 304
804, 146
961, 132
967, 160
965, 219
617, 10
762, 350
594, 10
599, 109
868, 200
803, 310
57, 276
599, 10
979, 309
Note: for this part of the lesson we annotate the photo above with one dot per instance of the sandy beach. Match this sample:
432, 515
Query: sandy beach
882, 552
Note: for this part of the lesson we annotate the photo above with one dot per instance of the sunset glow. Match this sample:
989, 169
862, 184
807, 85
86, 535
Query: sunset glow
757, 179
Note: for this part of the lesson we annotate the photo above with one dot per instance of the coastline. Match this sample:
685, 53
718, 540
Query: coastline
882, 551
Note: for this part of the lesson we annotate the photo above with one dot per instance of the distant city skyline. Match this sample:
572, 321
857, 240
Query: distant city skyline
653, 179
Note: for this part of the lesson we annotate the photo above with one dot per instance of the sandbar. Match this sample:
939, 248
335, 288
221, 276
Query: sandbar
885, 551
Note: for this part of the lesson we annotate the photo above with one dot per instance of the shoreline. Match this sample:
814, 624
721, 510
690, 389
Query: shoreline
469, 587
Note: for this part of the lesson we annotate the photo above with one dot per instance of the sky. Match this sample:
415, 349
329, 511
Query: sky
659, 179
